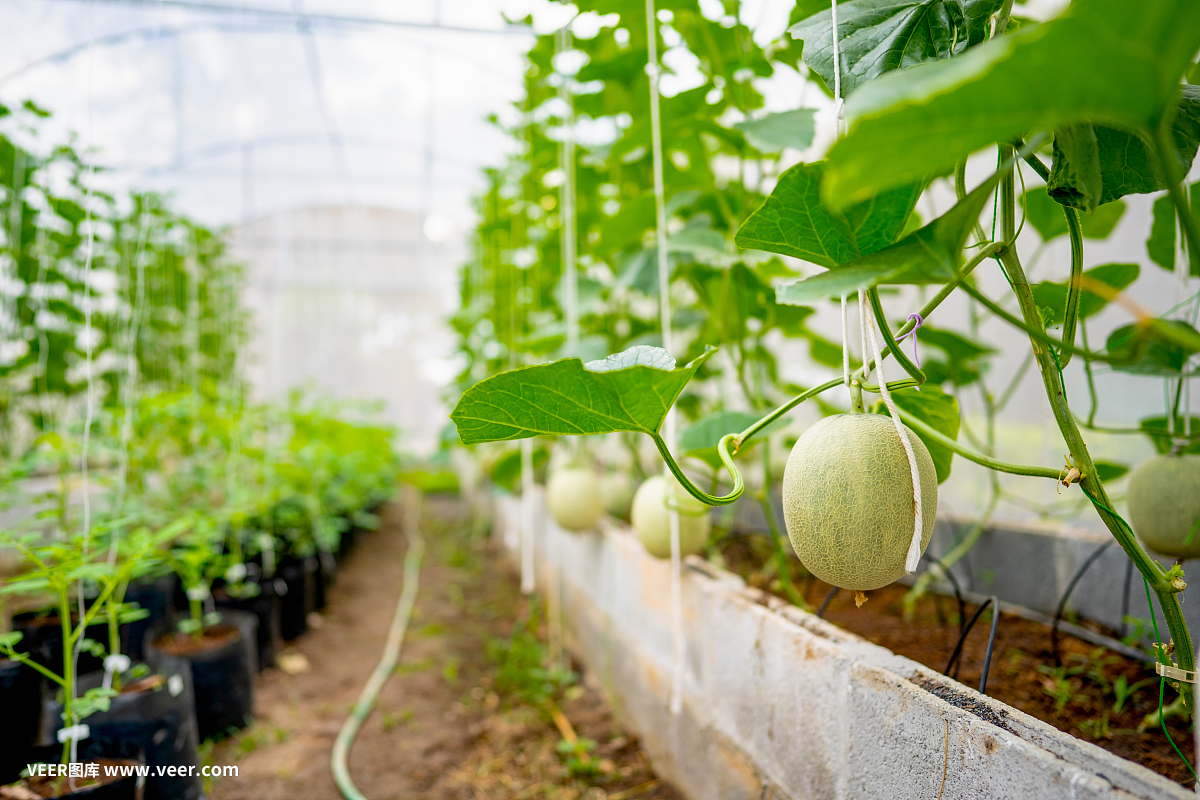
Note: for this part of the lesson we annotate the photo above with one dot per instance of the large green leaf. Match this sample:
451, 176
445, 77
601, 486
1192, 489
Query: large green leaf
794, 222
955, 345
939, 411
1053, 296
1095, 164
774, 132
1161, 244
1109, 62
933, 252
930, 254
629, 391
1151, 349
842, 282
1046, 216
1156, 428
876, 36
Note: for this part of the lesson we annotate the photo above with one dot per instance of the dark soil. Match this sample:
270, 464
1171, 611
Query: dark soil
213, 637
443, 727
143, 684
1080, 697
56, 786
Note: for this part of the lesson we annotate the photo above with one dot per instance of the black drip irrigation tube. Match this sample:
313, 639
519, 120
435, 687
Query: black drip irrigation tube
391, 650
948, 575
1062, 603
955, 661
825, 603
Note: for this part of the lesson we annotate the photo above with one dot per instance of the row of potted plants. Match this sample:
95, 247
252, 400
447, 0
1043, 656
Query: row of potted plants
139, 636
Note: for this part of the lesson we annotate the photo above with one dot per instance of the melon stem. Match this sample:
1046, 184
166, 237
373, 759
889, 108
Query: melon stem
1090, 483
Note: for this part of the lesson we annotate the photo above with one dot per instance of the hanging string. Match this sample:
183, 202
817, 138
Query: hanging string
664, 293
845, 343
863, 315
130, 385
90, 411
839, 105
527, 514
914, 547
1170, 411
566, 155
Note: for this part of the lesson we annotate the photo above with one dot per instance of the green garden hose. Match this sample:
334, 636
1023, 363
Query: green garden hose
391, 650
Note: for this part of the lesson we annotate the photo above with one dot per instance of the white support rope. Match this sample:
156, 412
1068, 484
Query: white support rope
528, 516
845, 343
568, 241
90, 413
839, 105
664, 293
864, 314
914, 547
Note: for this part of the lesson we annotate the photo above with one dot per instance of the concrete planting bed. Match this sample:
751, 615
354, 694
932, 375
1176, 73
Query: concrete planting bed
778, 703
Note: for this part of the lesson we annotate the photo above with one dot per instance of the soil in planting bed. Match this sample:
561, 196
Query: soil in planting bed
454, 720
1081, 697
213, 637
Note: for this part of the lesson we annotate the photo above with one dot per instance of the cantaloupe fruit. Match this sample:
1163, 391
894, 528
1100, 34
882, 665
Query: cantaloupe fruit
616, 490
848, 500
1164, 504
651, 518
573, 497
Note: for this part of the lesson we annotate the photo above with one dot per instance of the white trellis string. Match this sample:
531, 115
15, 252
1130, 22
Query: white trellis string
527, 516
1170, 412
1182, 270
839, 105
845, 343
90, 411
566, 156
664, 286
863, 315
914, 547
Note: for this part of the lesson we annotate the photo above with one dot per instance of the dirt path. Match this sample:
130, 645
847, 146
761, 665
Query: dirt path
440, 729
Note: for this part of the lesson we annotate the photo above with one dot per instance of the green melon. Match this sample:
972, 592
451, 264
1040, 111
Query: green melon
652, 519
573, 496
1164, 504
848, 500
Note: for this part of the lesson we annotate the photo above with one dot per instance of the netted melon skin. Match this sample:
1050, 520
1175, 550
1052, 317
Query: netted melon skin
1164, 503
573, 496
651, 519
848, 500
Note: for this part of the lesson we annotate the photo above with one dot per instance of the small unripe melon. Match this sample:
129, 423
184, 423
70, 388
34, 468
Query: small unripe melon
651, 518
1164, 504
573, 496
616, 489
848, 500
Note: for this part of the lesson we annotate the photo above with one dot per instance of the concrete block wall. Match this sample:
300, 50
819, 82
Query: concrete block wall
778, 703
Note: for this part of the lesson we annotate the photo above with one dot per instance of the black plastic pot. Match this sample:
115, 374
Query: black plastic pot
300, 575
43, 640
222, 676
20, 699
156, 595
128, 788
266, 607
326, 577
161, 722
347, 542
